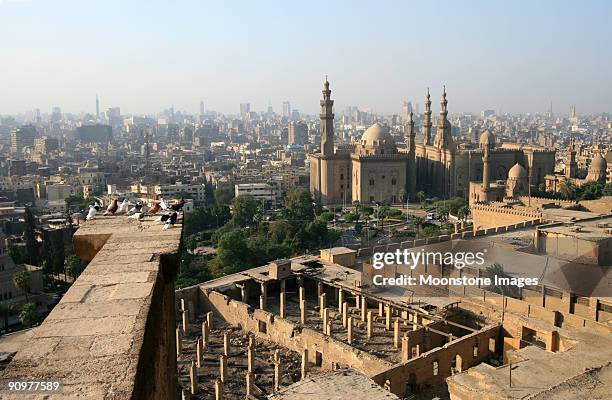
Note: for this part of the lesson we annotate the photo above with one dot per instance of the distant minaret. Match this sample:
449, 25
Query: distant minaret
327, 121
572, 168
443, 138
97, 108
147, 156
427, 121
485, 169
409, 131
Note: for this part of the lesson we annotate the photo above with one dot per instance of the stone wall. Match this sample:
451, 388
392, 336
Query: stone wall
112, 334
491, 216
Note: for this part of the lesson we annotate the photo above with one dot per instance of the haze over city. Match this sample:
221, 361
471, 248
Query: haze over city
147, 56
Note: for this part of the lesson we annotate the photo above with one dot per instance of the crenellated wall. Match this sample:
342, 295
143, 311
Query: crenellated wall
112, 334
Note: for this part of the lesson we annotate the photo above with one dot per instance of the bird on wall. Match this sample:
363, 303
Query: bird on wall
178, 206
171, 221
137, 215
154, 209
112, 208
96, 206
92, 213
163, 204
162, 218
137, 208
123, 207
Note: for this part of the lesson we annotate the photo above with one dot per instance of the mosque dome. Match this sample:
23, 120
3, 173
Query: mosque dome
377, 135
598, 163
486, 139
517, 172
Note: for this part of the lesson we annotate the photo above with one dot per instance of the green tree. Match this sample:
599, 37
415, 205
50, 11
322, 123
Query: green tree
73, 266
22, 281
607, 191
245, 208
6, 309
299, 207
463, 212
233, 254
590, 190
279, 231
358, 228
567, 190
223, 197
16, 254
73, 201
29, 315
421, 196
30, 237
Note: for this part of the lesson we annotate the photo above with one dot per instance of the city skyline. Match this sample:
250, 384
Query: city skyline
489, 56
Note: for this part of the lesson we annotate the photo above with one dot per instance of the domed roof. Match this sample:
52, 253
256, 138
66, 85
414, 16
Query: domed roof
377, 135
486, 139
598, 163
517, 172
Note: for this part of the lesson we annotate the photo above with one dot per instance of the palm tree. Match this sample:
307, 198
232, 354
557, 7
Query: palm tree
421, 196
22, 281
463, 212
29, 315
567, 190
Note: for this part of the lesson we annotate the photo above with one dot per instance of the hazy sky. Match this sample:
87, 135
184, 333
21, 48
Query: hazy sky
148, 55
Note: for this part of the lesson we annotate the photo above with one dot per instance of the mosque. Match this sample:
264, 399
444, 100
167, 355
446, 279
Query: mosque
374, 169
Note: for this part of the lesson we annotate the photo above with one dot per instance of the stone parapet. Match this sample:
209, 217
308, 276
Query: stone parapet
112, 334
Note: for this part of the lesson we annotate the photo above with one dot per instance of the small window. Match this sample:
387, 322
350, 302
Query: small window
435, 368
371, 182
393, 181
475, 355
341, 177
263, 327
318, 359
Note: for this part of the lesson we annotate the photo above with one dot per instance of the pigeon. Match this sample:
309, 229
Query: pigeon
154, 209
137, 215
96, 206
163, 204
137, 208
162, 218
92, 213
171, 221
123, 207
178, 206
112, 208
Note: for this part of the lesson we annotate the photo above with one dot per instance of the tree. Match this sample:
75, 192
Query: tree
278, 231
299, 207
421, 196
358, 228
497, 270
223, 197
29, 315
567, 190
244, 209
607, 191
6, 309
73, 266
590, 190
72, 201
30, 237
233, 254
463, 212
22, 281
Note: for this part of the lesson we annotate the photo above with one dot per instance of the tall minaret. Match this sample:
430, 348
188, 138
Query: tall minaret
97, 108
409, 132
443, 131
427, 121
572, 168
485, 169
327, 121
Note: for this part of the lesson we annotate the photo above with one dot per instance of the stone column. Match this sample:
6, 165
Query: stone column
396, 333
185, 321
218, 390
193, 378
322, 303
199, 352
283, 302
205, 334
222, 368
303, 311
250, 359
357, 301
277, 370
349, 331
209, 320
226, 345
302, 291
418, 350
329, 328
344, 314
243, 293
388, 317
249, 383
304, 363
340, 299
319, 289
179, 342
263, 297
325, 319
370, 330
406, 349
380, 309
184, 394
364, 308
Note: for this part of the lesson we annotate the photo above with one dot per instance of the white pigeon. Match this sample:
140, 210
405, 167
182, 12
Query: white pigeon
170, 221
91, 214
137, 215
163, 204
123, 207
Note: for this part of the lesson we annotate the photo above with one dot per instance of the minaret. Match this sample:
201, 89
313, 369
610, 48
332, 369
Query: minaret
97, 108
327, 121
147, 157
443, 131
427, 121
572, 168
409, 131
485, 170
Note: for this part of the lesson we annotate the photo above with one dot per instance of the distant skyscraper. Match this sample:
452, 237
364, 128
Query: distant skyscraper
97, 108
298, 133
286, 109
201, 108
23, 137
56, 114
245, 109
406, 110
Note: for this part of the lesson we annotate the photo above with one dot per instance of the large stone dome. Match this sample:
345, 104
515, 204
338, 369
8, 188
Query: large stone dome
598, 163
517, 172
377, 135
